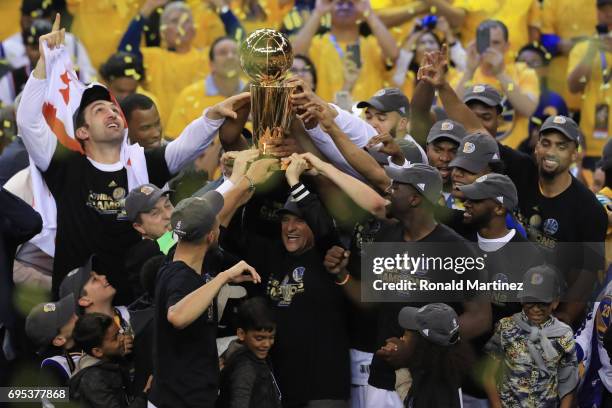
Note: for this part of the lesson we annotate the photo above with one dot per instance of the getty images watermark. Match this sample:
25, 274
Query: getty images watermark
448, 272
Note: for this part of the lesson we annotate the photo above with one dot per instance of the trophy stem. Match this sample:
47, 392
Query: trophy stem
271, 110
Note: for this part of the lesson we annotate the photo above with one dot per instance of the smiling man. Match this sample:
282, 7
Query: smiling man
89, 188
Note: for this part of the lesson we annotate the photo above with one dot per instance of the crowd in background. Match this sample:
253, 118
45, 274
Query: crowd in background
150, 255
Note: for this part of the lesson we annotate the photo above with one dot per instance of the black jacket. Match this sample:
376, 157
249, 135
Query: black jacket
247, 382
101, 384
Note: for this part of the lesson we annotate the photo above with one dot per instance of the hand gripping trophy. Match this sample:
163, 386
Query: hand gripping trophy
266, 56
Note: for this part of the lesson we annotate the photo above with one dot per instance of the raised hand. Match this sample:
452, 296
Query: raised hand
336, 259
388, 145
240, 163
242, 272
228, 107
320, 112
261, 170
433, 67
297, 166
495, 60
395, 352
323, 7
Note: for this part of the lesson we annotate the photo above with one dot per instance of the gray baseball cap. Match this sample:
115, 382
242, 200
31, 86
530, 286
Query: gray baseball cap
388, 100
495, 186
75, 280
540, 284
143, 199
475, 152
564, 125
411, 152
485, 94
424, 178
447, 129
606, 159
46, 319
194, 217
437, 322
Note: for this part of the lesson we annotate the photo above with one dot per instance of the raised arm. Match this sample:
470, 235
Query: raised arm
394, 16
580, 75
38, 138
301, 42
454, 15
387, 43
199, 134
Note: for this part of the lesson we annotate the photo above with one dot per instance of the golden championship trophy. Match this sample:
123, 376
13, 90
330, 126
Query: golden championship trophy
266, 56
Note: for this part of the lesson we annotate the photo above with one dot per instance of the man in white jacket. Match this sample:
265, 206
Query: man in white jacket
89, 187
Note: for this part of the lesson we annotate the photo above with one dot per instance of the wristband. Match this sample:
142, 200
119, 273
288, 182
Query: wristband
344, 281
251, 184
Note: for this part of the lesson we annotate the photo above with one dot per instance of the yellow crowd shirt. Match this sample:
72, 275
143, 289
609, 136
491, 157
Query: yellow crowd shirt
275, 12
595, 95
168, 73
517, 15
329, 65
100, 24
514, 128
402, 31
189, 106
568, 19
207, 23
11, 14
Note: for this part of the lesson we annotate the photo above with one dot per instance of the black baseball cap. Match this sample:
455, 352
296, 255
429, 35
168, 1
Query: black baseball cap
411, 152
485, 94
290, 207
475, 152
75, 280
388, 100
194, 217
606, 159
46, 319
564, 125
446, 129
437, 322
495, 186
93, 92
37, 8
540, 284
143, 199
424, 178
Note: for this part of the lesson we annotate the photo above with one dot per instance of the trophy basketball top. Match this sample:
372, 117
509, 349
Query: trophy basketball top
266, 56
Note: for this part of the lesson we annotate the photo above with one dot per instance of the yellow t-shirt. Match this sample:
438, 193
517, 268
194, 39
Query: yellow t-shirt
567, 19
207, 23
100, 24
168, 73
515, 126
330, 73
189, 106
274, 15
517, 15
11, 14
402, 31
595, 93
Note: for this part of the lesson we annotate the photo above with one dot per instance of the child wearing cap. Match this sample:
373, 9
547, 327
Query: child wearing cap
434, 354
247, 379
535, 350
49, 326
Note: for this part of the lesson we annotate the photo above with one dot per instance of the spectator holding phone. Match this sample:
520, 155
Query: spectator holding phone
343, 51
589, 75
488, 64
424, 39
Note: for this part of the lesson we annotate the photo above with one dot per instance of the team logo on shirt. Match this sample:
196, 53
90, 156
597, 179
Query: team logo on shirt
119, 193
551, 226
298, 273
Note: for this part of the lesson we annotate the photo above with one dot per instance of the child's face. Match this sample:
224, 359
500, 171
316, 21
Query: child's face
539, 313
112, 346
258, 341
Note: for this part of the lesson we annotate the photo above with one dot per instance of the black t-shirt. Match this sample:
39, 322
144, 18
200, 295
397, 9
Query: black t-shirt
573, 216
186, 364
91, 217
382, 375
135, 258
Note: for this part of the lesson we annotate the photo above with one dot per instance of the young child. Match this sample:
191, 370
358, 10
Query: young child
247, 380
101, 380
536, 351
431, 349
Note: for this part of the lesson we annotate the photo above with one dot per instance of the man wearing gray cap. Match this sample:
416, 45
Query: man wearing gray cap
443, 140
554, 206
186, 360
49, 326
414, 192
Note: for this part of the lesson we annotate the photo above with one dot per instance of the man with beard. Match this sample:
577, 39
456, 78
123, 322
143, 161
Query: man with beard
555, 207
